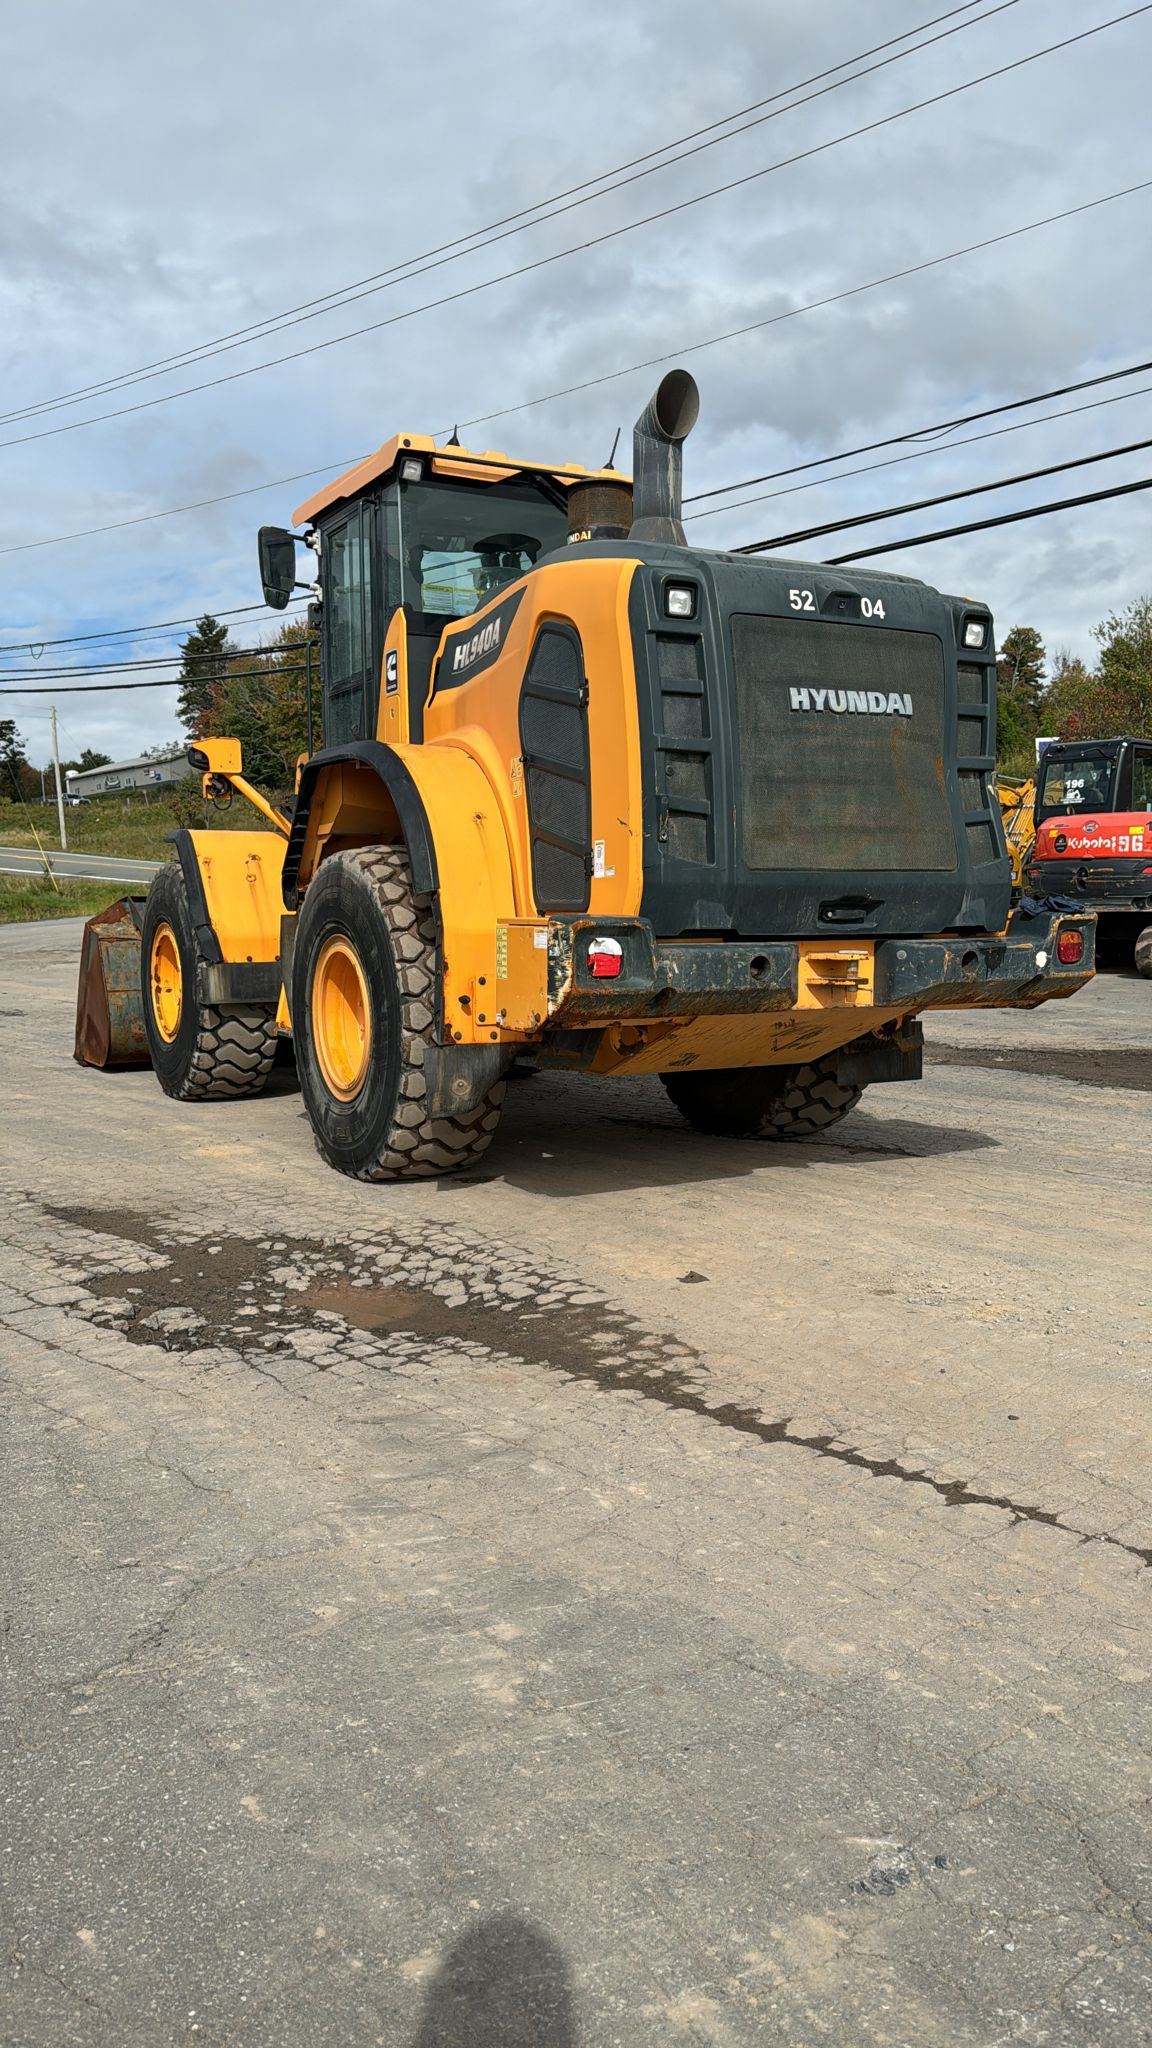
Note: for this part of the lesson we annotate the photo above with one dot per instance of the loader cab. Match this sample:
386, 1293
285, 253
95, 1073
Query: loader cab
432, 533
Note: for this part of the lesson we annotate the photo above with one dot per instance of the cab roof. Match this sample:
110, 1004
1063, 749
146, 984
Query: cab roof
467, 465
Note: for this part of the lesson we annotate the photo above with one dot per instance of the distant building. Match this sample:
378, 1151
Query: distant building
147, 771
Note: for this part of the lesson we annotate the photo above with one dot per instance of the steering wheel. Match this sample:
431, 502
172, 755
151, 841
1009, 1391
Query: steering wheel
509, 544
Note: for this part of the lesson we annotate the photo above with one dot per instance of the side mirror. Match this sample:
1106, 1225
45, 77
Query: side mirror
277, 565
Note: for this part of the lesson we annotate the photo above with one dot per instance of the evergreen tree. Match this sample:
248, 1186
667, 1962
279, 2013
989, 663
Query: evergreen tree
1070, 690
263, 704
1020, 669
207, 652
13, 759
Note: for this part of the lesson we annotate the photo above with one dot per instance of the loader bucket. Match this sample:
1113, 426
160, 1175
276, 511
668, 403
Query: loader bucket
109, 1005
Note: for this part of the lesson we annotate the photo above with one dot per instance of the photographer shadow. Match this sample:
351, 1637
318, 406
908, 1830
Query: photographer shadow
503, 1984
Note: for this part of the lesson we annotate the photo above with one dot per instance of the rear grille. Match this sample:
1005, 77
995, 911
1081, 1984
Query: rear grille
832, 787
684, 753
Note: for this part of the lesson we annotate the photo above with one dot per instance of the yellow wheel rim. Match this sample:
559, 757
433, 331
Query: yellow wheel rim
341, 1018
167, 977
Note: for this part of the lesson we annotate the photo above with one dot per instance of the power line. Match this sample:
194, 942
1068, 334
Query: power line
1027, 476
530, 216
579, 248
122, 632
165, 683
916, 540
653, 362
834, 562
198, 505
812, 306
127, 668
965, 419
920, 454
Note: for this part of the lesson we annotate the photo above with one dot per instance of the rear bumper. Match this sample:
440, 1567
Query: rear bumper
1099, 885
1016, 968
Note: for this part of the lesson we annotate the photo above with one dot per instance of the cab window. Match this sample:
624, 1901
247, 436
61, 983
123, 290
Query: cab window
1082, 782
462, 543
346, 577
1142, 779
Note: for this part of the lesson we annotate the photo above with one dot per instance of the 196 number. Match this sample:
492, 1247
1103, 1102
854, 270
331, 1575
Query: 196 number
805, 601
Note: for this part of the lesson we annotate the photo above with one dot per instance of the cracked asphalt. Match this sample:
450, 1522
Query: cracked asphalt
653, 1590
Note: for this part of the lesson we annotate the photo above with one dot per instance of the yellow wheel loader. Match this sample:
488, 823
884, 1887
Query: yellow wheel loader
593, 796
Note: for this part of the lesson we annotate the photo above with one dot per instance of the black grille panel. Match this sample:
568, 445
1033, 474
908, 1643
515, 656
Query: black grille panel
834, 789
554, 744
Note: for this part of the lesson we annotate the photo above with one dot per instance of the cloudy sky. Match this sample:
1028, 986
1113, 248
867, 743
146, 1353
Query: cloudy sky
174, 175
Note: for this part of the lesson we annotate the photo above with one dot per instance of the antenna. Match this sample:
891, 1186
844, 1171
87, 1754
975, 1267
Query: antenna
616, 443
454, 442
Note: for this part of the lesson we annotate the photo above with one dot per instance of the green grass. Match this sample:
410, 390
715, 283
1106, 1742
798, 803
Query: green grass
135, 827
29, 900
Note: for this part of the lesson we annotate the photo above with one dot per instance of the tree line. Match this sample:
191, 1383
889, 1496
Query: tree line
1074, 701
258, 697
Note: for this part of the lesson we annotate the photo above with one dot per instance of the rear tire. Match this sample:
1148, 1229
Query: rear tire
363, 1001
763, 1102
1143, 955
200, 1052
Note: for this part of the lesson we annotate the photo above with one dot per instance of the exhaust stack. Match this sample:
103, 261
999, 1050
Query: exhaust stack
658, 458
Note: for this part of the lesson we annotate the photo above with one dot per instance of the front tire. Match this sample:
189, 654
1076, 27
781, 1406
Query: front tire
1143, 954
763, 1102
363, 998
200, 1052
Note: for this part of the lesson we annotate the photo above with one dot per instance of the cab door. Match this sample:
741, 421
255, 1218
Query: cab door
1141, 795
351, 633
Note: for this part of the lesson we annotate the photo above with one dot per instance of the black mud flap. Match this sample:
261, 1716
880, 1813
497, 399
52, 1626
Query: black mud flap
458, 1077
883, 1056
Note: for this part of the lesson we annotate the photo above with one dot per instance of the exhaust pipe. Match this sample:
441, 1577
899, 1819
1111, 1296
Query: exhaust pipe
658, 458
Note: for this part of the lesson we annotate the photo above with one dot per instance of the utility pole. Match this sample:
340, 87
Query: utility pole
59, 791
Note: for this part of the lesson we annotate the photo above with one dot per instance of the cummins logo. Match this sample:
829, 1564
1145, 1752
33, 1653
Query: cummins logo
878, 703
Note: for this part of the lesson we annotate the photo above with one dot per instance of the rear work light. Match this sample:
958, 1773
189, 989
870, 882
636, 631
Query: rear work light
1070, 948
605, 958
974, 632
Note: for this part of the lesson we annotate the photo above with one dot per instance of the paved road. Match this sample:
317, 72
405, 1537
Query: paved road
95, 867
654, 1591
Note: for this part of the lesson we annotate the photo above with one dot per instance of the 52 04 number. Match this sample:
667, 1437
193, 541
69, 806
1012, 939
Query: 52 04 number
805, 601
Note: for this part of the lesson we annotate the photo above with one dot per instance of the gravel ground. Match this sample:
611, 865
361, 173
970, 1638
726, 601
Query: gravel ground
653, 1590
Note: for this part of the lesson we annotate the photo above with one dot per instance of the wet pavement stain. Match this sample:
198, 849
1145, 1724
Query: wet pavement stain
1124, 1067
252, 1296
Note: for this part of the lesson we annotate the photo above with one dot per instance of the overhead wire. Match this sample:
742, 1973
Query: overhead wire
163, 683
591, 242
835, 561
916, 540
1027, 476
650, 362
671, 153
965, 419
920, 454
122, 632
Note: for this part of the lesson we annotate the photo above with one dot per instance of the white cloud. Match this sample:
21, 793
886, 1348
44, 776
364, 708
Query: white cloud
186, 173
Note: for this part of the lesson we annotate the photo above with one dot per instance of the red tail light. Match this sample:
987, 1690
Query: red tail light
1070, 948
605, 958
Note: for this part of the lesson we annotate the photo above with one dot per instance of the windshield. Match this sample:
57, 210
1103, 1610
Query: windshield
1083, 782
460, 544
